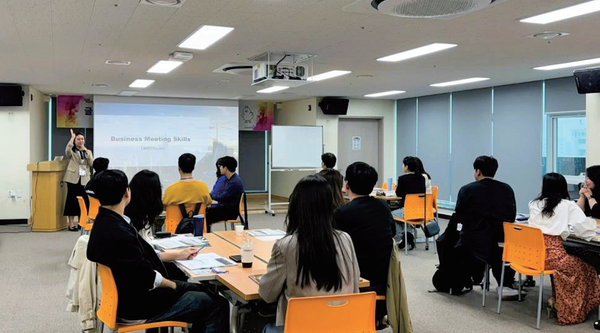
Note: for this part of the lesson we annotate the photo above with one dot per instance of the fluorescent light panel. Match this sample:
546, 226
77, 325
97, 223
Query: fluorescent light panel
205, 37
386, 93
140, 83
164, 66
579, 63
272, 89
565, 13
457, 82
328, 75
127, 93
420, 51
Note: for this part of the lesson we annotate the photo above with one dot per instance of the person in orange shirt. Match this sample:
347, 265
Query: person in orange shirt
187, 190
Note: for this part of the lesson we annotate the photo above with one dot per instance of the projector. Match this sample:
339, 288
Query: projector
262, 71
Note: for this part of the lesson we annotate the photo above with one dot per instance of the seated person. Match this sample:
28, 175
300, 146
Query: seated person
227, 195
146, 203
187, 190
220, 180
328, 161
587, 201
100, 164
336, 181
313, 258
486, 203
369, 222
414, 181
145, 292
576, 283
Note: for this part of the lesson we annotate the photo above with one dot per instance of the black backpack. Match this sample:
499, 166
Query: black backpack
186, 225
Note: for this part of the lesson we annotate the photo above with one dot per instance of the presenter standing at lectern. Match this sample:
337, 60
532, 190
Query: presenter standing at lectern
77, 175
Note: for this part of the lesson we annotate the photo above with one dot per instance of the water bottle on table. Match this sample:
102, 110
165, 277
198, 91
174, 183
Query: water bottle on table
247, 248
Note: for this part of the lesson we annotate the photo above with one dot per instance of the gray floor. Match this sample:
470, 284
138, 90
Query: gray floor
34, 275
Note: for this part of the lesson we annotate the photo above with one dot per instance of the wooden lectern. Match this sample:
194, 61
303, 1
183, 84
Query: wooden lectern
47, 195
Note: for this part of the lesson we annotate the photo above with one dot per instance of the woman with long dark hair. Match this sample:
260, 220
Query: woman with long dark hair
576, 284
414, 181
587, 201
77, 176
313, 258
146, 201
336, 181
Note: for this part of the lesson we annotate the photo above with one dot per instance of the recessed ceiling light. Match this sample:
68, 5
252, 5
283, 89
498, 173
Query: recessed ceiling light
419, 51
364, 76
328, 75
204, 37
548, 35
565, 13
164, 66
164, 3
127, 93
386, 93
118, 62
272, 89
457, 82
579, 63
140, 83
100, 85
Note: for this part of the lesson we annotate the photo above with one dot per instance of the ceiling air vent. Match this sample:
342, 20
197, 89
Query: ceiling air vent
163, 3
437, 9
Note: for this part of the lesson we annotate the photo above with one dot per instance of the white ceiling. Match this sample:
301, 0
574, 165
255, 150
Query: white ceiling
59, 46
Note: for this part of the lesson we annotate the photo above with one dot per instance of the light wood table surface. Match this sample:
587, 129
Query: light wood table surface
262, 249
224, 249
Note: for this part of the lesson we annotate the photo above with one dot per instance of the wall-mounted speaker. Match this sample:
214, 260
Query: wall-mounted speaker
587, 80
332, 105
11, 95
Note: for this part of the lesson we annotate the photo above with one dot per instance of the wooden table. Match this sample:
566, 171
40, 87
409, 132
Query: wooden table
262, 249
224, 249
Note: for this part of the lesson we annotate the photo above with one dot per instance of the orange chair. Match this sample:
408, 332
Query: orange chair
384, 186
525, 252
110, 300
331, 313
173, 217
242, 216
416, 213
94, 207
85, 225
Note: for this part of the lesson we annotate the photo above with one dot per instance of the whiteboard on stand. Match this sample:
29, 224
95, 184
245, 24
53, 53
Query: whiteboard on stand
297, 147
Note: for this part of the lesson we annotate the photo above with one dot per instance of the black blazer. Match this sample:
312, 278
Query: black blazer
116, 244
369, 223
410, 183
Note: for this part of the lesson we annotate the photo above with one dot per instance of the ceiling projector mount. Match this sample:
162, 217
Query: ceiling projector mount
431, 9
281, 69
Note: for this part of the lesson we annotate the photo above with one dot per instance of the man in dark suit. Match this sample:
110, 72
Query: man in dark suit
369, 223
145, 292
481, 209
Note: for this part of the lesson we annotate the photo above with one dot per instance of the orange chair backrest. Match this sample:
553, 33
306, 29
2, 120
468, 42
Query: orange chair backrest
242, 211
415, 207
94, 207
107, 313
331, 313
434, 192
173, 217
83, 215
393, 186
524, 245
384, 186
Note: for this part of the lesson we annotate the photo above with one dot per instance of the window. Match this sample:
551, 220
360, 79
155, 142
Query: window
568, 149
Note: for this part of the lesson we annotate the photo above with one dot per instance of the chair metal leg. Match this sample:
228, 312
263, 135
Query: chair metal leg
520, 278
539, 309
405, 238
485, 283
426, 241
500, 287
435, 244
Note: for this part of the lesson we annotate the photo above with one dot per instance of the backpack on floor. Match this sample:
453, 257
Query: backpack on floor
186, 225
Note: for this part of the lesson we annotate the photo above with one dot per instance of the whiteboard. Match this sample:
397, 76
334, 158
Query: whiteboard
296, 147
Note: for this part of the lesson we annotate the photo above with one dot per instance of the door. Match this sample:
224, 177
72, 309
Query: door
359, 141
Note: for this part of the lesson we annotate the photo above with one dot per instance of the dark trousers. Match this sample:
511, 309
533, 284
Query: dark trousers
206, 312
496, 265
220, 213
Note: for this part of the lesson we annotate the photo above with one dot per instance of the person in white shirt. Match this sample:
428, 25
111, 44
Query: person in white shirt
576, 286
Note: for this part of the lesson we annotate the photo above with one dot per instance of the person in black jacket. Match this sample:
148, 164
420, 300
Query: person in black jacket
414, 181
481, 209
145, 292
369, 223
